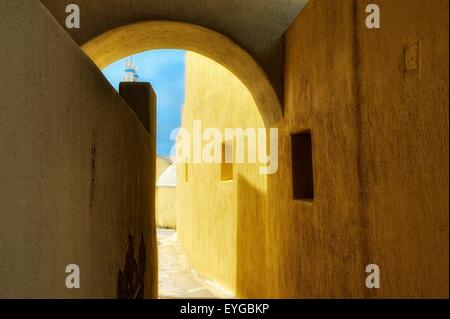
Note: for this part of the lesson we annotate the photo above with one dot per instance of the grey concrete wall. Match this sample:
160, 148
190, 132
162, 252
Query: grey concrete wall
75, 169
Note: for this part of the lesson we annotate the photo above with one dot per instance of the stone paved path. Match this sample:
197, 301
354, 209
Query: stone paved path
176, 280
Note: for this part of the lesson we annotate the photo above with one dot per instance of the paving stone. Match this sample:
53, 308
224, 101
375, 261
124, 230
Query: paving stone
176, 280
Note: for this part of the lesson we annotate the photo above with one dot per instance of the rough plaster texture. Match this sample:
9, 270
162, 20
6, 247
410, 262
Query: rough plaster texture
380, 151
256, 25
75, 166
214, 218
403, 144
380, 161
318, 251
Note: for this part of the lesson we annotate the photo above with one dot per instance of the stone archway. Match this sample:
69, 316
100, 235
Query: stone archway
143, 36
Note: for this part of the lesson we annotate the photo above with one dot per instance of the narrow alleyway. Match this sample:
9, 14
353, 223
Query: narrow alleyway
176, 279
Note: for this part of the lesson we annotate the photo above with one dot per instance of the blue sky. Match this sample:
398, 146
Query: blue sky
165, 70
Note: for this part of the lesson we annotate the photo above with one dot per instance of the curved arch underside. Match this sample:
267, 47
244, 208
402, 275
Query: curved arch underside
152, 35
257, 26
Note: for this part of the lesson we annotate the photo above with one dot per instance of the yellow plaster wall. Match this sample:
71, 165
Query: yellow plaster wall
166, 215
403, 141
380, 152
209, 211
165, 198
380, 161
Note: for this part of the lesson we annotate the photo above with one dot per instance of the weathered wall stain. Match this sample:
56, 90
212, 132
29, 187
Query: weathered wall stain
93, 166
130, 282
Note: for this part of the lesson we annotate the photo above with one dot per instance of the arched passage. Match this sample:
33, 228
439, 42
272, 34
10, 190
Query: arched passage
257, 106
138, 37
216, 98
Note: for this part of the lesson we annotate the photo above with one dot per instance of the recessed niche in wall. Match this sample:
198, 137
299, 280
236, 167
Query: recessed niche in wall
302, 166
226, 169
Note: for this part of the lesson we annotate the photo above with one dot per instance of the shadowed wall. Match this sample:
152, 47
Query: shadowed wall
76, 170
380, 154
376, 104
403, 143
